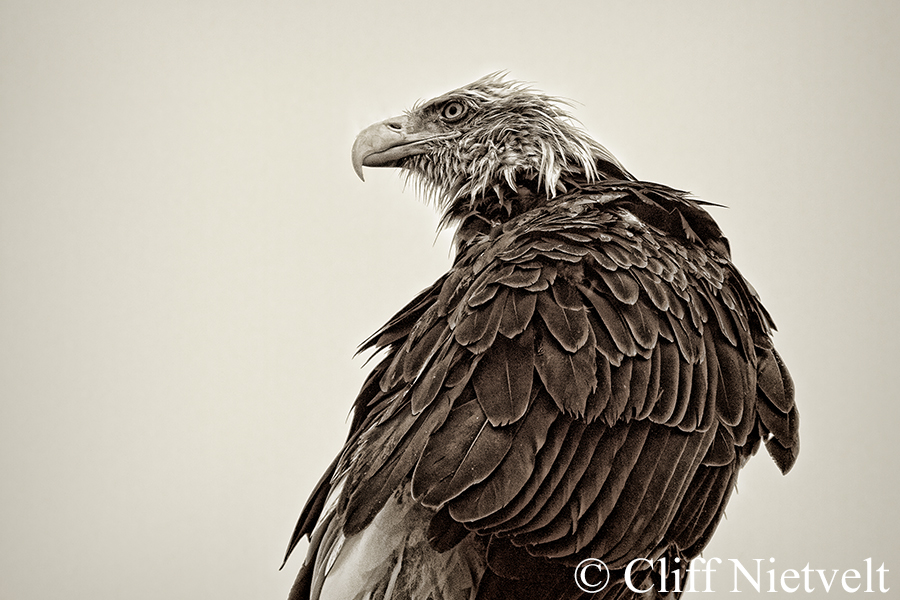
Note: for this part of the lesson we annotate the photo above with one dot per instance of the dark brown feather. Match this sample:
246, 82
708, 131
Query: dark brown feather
504, 377
622, 285
643, 323
655, 289
621, 391
784, 451
416, 357
685, 382
485, 498
445, 532
525, 518
721, 452
478, 330
598, 399
371, 493
547, 457
569, 378
544, 524
612, 321
517, 313
700, 409
431, 383
516, 277
733, 384
667, 399
641, 373
604, 342
771, 380
569, 326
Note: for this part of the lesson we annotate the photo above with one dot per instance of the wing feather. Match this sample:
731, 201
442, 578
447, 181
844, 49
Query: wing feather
651, 397
685, 381
525, 518
465, 433
667, 398
599, 398
487, 497
504, 378
549, 455
517, 312
478, 330
643, 323
622, 285
569, 326
641, 374
370, 493
700, 409
621, 391
517, 277
544, 522
655, 289
611, 321
431, 383
568, 377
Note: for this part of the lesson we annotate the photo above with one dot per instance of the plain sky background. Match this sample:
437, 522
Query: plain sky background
188, 262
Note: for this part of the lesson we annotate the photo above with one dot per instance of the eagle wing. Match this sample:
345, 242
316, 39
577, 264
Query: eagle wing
585, 382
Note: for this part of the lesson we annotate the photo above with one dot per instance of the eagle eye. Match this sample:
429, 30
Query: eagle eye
453, 111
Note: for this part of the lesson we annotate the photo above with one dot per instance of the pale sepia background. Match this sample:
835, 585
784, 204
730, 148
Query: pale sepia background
187, 261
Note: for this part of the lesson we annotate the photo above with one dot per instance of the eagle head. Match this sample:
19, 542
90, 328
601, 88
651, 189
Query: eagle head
490, 147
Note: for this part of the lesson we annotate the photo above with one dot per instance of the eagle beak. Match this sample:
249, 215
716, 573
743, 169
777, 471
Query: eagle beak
384, 144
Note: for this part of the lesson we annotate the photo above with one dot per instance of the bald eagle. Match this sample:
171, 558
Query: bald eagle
584, 384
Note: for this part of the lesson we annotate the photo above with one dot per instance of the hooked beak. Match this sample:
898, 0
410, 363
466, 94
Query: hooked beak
384, 144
